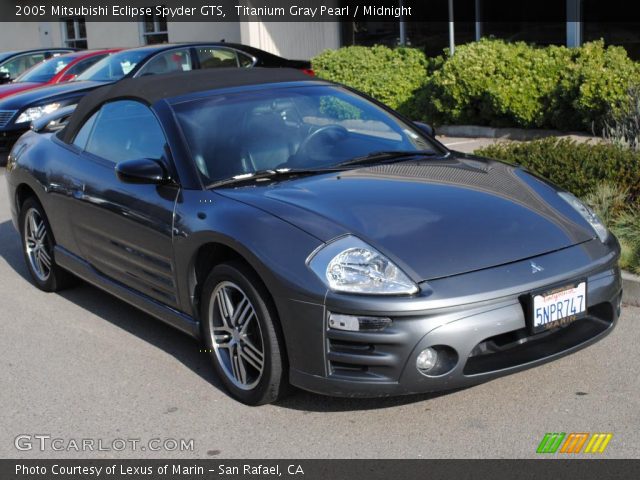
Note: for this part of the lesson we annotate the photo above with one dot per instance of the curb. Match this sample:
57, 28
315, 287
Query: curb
631, 289
520, 134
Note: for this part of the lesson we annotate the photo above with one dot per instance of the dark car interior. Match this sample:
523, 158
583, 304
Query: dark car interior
285, 132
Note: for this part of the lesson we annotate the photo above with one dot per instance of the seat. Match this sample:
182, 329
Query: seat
268, 141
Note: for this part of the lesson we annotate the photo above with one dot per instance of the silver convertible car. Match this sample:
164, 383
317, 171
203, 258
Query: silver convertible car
311, 236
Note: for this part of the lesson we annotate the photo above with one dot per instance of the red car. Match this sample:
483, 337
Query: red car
62, 68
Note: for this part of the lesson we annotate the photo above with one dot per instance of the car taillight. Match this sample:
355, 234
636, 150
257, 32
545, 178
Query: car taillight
308, 71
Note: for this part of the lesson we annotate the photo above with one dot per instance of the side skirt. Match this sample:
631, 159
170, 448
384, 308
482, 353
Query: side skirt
84, 270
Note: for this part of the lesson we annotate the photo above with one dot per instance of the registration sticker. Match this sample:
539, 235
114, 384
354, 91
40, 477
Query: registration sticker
558, 307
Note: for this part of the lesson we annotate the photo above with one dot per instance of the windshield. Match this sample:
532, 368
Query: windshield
310, 127
113, 67
45, 71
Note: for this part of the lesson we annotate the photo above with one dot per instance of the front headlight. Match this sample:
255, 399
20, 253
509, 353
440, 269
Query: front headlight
588, 214
349, 265
34, 113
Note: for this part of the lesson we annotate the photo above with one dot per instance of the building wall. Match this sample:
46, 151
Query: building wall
112, 34
292, 39
205, 32
24, 35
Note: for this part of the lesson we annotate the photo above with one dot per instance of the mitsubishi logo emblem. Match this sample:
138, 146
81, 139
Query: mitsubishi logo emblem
535, 268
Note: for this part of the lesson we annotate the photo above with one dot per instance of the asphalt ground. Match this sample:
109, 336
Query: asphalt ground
83, 365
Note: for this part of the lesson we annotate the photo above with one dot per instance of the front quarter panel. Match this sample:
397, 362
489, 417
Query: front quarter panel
275, 249
25, 167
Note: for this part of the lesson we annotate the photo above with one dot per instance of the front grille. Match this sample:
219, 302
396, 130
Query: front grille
519, 348
6, 116
371, 356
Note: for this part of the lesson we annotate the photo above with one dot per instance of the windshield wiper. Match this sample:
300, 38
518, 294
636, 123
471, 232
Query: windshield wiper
387, 156
269, 174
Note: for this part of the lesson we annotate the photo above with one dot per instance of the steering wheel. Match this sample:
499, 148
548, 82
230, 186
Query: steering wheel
333, 133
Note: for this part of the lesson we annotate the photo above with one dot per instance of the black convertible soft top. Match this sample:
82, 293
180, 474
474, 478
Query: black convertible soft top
152, 88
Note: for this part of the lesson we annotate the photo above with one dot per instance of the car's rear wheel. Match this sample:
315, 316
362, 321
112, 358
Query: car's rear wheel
241, 334
37, 247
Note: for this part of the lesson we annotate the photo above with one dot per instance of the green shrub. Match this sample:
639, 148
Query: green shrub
627, 228
577, 167
595, 81
609, 201
502, 84
391, 76
622, 124
611, 204
492, 82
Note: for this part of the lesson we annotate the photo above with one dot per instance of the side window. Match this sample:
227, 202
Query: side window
168, 62
245, 61
126, 130
82, 65
83, 134
210, 57
21, 63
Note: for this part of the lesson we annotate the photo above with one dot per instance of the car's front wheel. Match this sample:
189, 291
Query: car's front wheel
37, 247
242, 336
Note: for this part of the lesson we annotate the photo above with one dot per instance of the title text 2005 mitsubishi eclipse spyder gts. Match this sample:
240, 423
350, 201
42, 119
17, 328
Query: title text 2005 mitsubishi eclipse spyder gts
311, 236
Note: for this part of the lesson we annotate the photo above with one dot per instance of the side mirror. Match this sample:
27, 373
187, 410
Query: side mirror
425, 128
143, 170
54, 121
5, 77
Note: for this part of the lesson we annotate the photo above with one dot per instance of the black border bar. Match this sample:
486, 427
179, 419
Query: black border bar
583, 469
466, 11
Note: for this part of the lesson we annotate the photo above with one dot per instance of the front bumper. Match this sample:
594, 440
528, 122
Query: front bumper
477, 316
9, 137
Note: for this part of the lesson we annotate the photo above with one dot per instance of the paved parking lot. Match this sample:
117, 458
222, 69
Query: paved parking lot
82, 364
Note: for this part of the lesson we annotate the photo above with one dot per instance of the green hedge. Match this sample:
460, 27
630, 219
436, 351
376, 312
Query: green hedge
392, 76
596, 81
495, 83
577, 167
491, 82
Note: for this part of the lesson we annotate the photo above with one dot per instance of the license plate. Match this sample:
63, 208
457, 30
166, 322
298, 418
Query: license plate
558, 307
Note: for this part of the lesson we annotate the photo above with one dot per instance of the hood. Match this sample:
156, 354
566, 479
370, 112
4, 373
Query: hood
12, 88
48, 94
434, 218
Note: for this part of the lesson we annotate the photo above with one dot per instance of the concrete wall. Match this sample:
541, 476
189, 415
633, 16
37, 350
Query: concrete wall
112, 34
24, 35
205, 32
292, 39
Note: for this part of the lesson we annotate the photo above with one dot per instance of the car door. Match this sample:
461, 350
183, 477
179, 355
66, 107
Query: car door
124, 230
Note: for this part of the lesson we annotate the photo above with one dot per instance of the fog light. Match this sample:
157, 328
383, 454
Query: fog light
357, 323
427, 359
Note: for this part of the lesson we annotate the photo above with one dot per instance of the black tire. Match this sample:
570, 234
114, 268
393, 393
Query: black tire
57, 278
272, 383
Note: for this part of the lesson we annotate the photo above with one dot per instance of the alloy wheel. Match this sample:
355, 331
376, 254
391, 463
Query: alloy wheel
236, 335
37, 245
